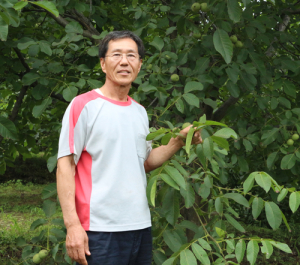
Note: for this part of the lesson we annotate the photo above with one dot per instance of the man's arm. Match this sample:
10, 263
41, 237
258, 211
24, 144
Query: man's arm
163, 153
76, 240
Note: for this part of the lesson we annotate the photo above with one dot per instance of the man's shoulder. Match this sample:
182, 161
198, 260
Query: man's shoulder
83, 99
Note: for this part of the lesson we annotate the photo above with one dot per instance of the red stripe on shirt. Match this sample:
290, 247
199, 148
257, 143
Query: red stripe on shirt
83, 191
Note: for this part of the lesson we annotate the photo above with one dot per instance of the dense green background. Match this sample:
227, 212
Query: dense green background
49, 55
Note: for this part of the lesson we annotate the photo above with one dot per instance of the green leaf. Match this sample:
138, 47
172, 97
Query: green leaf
191, 99
249, 182
237, 198
188, 141
200, 253
208, 148
226, 133
172, 240
175, 175
70, 92
51, 163
257, 206
221, 142
219, 206
3, 30
294, 201
58, 232
21, 242
193, 86
94, 83
74, 27
188, 195
169, 261
93, 51
49, 6
179, 105
240, 250
233, 89
49, 208
267, 248
234, 223
252, 251
40, 109
273, 214
233, 74
204, 244
151, 191
263, 180
170, 206
30, 78
20, 5
180, 168
271, 159
281, 246
45, 47
187, 258
37, 223
134, 3
158, 43
8, 129
234, 10
289, 88
25, 45
166, 138
54, 251
49, 191
282, 195
58, 221
223, 44
288, 161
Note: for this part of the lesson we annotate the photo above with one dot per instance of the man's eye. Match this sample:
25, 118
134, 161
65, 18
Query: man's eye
131, 55
116, 55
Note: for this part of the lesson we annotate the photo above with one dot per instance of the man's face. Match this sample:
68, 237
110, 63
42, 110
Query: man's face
124, 71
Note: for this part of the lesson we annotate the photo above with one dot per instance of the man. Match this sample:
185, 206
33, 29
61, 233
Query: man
102, 159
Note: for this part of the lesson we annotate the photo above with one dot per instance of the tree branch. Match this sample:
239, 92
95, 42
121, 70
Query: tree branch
59, 97
221, 111
271, 50
291, 11
86, 33
20, 56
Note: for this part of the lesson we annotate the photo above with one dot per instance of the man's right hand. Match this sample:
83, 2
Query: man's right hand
77, 244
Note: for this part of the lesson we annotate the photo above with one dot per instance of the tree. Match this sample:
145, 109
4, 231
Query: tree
49, 55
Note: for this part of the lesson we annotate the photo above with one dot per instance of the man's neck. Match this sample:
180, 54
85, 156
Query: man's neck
115, 92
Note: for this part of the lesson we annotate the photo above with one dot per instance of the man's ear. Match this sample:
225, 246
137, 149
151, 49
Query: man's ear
102, 63
141, 63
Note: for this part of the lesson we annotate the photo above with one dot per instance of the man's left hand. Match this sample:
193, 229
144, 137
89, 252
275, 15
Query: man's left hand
196, 137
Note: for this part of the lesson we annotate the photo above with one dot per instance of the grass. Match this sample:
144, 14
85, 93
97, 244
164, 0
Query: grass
20, 205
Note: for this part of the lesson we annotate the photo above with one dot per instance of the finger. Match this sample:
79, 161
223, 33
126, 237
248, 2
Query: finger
81, 257
86, 246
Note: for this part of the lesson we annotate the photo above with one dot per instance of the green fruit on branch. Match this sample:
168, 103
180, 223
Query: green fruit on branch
295, 137
239, 44
290, 142
197, 35
186, 124
196, 7
233, 38
43, 254
36, 259
204, 7
174, 77
149, 67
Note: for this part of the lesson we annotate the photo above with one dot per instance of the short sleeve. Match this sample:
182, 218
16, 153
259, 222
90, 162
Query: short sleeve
73, 132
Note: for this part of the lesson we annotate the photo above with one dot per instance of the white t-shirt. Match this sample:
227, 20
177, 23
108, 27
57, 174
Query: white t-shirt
108, 140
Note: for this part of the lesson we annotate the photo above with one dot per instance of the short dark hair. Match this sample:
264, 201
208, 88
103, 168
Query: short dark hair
116, 35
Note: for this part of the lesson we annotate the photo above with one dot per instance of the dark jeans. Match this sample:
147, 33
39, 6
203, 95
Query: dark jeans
120, 248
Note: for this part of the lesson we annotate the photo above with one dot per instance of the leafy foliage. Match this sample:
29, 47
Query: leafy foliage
49, 55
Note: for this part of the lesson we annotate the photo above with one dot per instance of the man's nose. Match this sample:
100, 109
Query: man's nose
124, 59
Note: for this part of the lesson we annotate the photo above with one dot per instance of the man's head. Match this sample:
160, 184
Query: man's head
117, 35
120, 56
